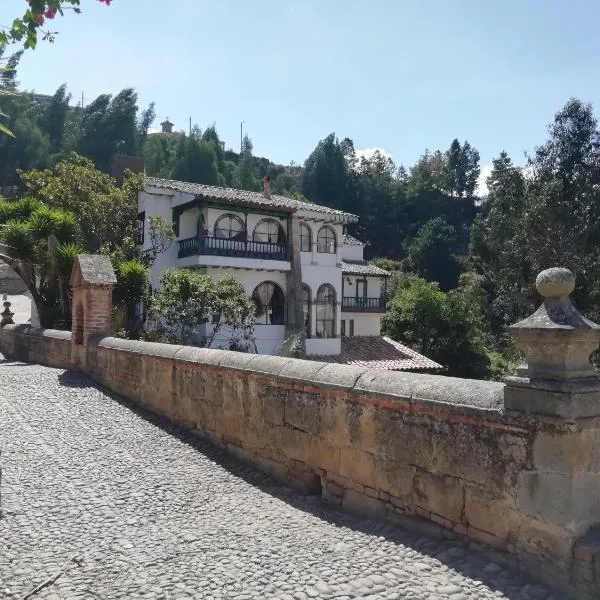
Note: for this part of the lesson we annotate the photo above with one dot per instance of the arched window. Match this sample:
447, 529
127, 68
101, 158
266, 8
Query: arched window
305, 238
270, 304
326, 240
306, 309
269, 231
325, 311
229, 227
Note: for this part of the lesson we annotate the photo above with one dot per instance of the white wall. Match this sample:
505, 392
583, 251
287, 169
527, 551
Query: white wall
352, 252
323, 347
374, 286
158, 205
364, 323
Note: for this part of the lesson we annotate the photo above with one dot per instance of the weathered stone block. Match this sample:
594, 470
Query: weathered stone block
558, 498
322, 455
488, 512
273, 409
544, 543
488, 456
442, 495
293, 443
568, 451
362, 504
303, 411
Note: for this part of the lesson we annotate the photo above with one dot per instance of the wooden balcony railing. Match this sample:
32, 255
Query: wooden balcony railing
353, 304
214, 246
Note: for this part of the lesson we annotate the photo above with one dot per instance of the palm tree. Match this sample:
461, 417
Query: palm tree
41, 244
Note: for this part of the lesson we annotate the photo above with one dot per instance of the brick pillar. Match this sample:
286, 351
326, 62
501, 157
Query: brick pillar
92, 282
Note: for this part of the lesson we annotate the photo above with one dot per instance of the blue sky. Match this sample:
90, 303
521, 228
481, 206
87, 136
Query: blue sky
401, 75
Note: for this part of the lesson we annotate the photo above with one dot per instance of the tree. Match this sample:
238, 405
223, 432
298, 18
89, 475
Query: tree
188, 300
35, 17
462, 170
54, 116
326, 174
109, 126
431, 253
106, 213
447, 328
42, 244
550, 218
244, 176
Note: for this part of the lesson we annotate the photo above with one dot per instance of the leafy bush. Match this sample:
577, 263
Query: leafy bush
132, 282
187, 300
446, 327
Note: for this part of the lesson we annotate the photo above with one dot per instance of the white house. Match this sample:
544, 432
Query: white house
293, 258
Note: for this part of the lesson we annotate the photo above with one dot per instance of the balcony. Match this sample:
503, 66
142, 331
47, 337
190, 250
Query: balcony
368, 305
212, 246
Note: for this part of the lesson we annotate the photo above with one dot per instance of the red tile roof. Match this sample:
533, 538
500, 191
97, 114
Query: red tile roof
378, 352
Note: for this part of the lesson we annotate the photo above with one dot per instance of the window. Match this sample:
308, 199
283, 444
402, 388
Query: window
343, 330
269, 231
326, 311
270, 304
361, 288
141, 227
351, 327
326, 240
306, 309
305, 238
229, 227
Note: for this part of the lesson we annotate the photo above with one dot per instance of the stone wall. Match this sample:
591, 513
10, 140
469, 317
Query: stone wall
33, 344
419, 450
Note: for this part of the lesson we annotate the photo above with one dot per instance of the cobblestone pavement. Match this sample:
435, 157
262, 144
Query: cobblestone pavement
100, 502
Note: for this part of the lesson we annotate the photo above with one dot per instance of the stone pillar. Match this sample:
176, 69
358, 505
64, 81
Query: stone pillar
557, 341
92, 282
557, 393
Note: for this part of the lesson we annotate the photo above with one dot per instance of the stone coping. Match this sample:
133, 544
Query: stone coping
417, 389
26, 329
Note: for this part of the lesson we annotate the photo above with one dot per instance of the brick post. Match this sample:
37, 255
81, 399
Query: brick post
558, 390
92, 282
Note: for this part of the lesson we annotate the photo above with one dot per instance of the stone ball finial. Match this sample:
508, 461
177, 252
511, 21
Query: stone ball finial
556, 282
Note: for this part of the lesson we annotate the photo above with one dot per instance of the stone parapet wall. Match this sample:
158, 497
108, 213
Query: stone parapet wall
407, 447
32, 344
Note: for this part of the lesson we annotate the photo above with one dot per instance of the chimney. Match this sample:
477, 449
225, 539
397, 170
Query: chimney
267, 187
167, 126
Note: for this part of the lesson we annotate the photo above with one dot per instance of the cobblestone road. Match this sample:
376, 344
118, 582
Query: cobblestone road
119, 506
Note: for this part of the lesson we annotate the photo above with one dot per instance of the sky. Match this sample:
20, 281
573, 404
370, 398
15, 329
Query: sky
400, 75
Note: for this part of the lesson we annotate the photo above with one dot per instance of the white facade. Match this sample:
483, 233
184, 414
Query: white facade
246, 235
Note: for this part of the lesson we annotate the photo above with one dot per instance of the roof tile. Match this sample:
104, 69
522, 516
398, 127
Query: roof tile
350, 240
244, 197
380, 352
361, 267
